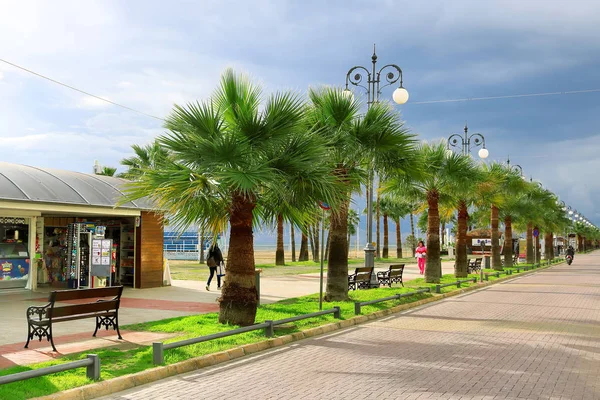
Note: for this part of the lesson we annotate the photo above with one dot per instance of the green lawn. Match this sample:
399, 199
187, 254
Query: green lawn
118, 362
192, 270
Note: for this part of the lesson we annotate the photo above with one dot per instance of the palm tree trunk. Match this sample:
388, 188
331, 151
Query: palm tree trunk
280, 252
237, 304
378, 227
293, 240
443, 233
579, 243
315, 240
201, 245
347, 246
538, 256
385, 252
496, 260
461, 265
529, 238
303, 256
433, 266
398, 239
548, 247
337, 261
508, 250
412, 232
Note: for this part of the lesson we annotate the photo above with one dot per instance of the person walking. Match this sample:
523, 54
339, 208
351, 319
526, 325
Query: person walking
213, 260
421, 253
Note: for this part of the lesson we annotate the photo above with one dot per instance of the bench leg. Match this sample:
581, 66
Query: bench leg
51, 339
117, 326
108, 322
29, 334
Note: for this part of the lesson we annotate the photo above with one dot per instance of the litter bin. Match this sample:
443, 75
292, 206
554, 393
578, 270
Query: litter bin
487, 263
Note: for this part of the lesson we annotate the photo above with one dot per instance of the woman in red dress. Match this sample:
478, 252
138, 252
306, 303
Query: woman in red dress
421, 253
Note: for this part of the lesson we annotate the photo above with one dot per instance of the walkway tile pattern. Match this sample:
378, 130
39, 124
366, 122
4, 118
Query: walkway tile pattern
535, 337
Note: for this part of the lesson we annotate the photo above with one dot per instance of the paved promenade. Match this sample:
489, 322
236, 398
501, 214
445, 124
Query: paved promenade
534, 337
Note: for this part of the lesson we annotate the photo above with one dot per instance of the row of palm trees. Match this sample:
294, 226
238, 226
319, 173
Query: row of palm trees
239, 159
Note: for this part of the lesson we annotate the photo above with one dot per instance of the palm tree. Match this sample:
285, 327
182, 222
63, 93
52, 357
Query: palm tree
466, 195
226, 156
353, 225
107, 171
377, 139
394, 208
145, 157
443, 174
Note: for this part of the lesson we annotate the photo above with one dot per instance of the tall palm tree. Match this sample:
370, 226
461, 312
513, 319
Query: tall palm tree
226, 155
376, 139
443, 173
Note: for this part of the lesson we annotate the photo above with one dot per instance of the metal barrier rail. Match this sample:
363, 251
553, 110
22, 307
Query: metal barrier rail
92, 364
158, 348
359, 304
438, 287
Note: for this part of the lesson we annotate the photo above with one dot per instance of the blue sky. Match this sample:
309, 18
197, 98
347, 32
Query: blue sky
151, 54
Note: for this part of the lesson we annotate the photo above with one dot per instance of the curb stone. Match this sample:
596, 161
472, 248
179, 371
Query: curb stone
121, 383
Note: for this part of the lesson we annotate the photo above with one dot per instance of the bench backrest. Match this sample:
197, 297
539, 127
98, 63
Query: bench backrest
363, 274
77, 294
396, 270
478, 261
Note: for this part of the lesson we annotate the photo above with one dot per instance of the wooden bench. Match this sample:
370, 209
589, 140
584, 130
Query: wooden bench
393, 274
106, 311
474, 266
360, 279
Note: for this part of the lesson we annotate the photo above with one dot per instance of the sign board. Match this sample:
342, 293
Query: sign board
481, 242
101, 257
536, 232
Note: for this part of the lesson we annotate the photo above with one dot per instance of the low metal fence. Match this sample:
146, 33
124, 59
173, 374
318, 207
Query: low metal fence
92, 364
158, 348
359, 304
438, 287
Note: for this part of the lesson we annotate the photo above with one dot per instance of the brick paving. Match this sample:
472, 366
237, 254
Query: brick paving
534, 337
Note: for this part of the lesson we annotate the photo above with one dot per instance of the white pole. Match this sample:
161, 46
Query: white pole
322, 260
357, 235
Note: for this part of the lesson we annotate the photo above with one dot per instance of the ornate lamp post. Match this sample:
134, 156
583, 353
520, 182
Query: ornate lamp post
465, 142
516, 167
360, 76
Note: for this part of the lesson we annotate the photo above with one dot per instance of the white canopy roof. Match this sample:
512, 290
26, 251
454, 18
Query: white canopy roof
45, 185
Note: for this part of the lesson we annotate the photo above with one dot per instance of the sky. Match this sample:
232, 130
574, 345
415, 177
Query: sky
150, 55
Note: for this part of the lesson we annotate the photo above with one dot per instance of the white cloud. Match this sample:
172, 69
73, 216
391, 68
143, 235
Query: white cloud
92, 103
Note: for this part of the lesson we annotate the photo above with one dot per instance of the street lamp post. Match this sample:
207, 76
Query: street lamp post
359, 76
515, 167
465, 142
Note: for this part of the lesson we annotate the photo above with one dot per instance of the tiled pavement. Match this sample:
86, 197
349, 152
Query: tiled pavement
535, 337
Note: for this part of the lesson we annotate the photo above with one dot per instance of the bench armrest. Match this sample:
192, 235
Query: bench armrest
41, 312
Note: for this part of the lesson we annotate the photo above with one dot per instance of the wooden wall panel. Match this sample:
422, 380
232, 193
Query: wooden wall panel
149, 255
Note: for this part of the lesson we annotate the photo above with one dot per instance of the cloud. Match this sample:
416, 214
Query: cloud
92, 103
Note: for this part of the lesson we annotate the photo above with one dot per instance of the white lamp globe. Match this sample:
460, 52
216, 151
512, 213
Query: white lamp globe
348, 93
570, 212
483, 153
400, 95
